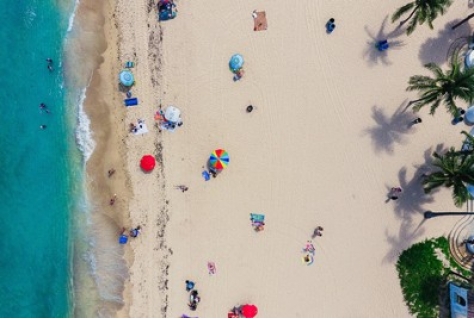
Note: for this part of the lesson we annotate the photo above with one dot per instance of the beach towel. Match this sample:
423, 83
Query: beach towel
211, 266
141, 129
257, 218
131, 102
260, 22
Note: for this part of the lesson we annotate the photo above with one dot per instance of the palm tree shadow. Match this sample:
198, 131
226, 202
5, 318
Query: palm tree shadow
410, 203
401, 241
389, 131
372, 54
413, 198
438, 49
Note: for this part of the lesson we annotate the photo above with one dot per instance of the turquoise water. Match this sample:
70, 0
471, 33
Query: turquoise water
37, 184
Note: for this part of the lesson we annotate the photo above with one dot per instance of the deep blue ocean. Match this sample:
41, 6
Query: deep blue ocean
39, 167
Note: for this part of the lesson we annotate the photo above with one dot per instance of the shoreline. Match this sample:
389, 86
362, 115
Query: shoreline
98, 39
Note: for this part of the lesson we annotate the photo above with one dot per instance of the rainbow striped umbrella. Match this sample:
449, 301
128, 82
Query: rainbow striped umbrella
219, 159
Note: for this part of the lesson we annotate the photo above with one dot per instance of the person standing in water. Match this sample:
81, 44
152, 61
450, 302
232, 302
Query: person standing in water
50, 64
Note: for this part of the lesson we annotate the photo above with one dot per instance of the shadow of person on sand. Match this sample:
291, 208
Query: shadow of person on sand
389, 130
438, 49
372, 54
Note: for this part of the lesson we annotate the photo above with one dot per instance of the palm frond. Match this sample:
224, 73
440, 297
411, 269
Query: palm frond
401, 11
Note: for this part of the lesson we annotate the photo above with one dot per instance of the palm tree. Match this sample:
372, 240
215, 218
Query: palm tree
455, 170
457, 82
421, 11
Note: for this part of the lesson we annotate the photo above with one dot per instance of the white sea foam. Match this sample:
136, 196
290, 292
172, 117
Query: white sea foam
72, 16
84, 140
30, 15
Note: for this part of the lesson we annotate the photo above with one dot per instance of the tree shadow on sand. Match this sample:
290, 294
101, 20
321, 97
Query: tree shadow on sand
390, 130
372, 54
411, 203
438, 49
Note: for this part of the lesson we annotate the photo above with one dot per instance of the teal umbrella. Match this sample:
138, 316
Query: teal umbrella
126, 78
236, 62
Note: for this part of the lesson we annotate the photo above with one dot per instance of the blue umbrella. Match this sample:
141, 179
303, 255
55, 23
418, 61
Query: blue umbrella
469, 115
126, 78
236, 62
470, 190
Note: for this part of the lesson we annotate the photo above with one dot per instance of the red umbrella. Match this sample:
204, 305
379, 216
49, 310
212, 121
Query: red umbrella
249, 311
147, 163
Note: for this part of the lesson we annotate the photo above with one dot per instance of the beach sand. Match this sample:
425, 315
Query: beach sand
327, 139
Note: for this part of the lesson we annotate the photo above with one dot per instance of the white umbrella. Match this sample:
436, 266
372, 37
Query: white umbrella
469, 115
172, 114
469, 59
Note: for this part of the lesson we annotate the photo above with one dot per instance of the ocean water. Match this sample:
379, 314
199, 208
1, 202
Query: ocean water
41, 176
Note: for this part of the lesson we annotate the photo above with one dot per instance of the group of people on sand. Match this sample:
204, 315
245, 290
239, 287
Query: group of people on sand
308, 249
194, 298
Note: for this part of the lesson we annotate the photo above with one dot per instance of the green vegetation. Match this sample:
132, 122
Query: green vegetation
456, 83
456, 170
421, 11
423, 274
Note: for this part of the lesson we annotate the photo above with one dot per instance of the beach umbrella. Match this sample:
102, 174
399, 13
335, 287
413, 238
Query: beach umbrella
469, 115
172, 114
469, 60
219, 159
249, 311
147, 163
236, 62
470, 190
126, 78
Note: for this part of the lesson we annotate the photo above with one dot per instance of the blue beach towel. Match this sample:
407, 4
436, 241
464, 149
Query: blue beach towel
257, 218
130, 102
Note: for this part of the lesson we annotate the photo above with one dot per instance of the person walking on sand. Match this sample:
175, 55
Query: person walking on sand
317, 232
183, 188
111, 172
113, 199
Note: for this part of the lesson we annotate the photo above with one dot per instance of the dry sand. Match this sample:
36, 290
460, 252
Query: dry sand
327, 138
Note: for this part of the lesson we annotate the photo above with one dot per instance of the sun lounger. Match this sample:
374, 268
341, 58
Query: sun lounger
131, 102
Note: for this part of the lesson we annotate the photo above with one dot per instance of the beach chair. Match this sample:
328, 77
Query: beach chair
129, 64
131, 102
206, 175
